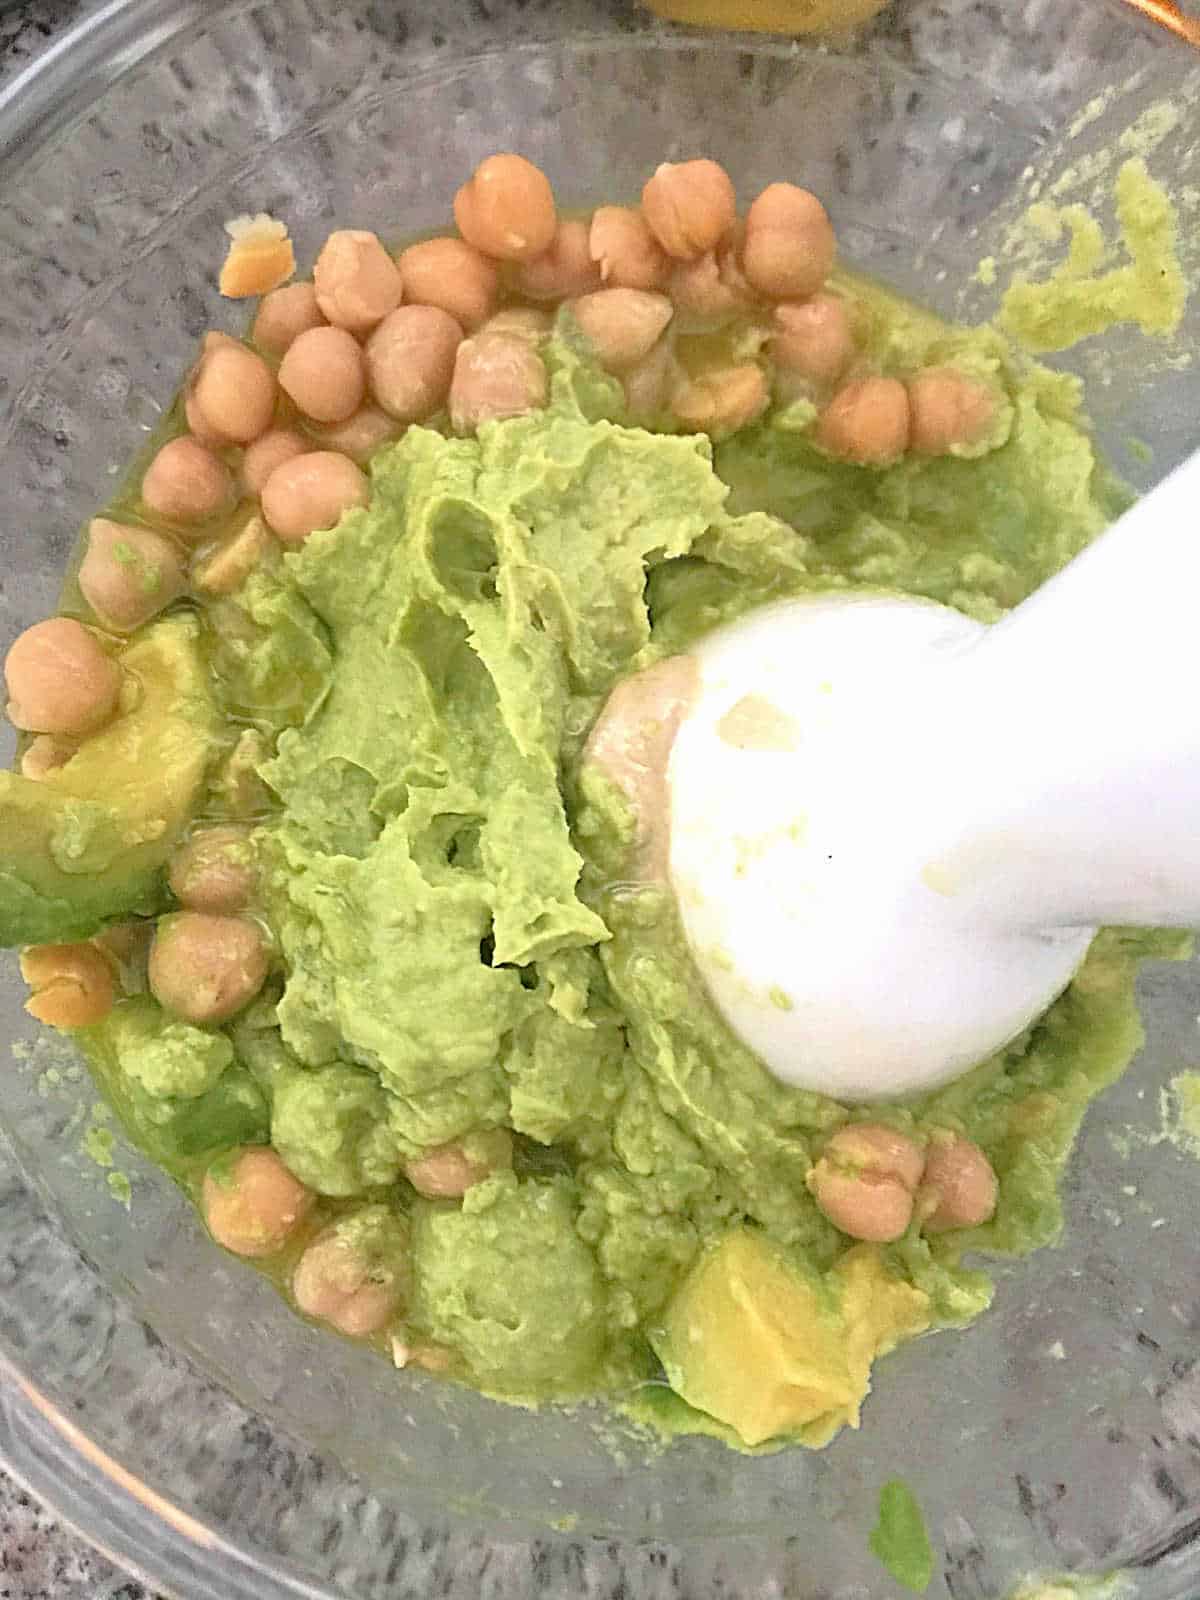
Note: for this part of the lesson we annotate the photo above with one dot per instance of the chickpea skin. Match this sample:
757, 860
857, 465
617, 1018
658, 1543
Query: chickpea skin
60, 681
789, 248
495, 376
283, 315
261, 458
866, 1179
360, 435
866, 422
72, 984
333, 1283
622, 325
310, 492
506, 209
357, 282
255, 1206
231, 393
215, 870
959, 1184
626, 252
453, 276
186, 483
649, 383
128, 575
564, 270
227, 567
205, 968
323, 374
449, 1170
812, 342
950, 410
689, 206
410, 361
721, 402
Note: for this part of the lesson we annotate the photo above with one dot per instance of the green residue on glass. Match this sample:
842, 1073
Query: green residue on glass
899, 1540
120, 1188
98, 1145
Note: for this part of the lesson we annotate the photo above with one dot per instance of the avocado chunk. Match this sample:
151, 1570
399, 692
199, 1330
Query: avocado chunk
87, 843
775, 1349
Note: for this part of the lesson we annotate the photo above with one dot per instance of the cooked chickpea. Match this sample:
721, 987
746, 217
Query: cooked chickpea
410, 361
254, 1205
453, 276
506, 209
565, 269
60, 680
789, 248
360, 435
622, 325
128, 575
186, 483
866, 1179
215, 870
950, 410
626, 252
324, 375
334, 1283
521, 322
310, 492
703, 296
230, 394
449, 1170
721, 402
866, 422
649, 383
283, 315
813, 342
356, 281
45, 755
959, 1184
206, 968
261, 458
226, 568
72, 984
689, 207
495, 376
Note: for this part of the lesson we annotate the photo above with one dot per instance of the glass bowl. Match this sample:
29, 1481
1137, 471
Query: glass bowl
160, 1395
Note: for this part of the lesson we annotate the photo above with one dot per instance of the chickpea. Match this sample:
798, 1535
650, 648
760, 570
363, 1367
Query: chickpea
812, 342
45, 755
521, 322
565, 269
627, 253
622, 325
506, 209
453, 276
866, 1179
410, 361
186, 483
704, 297
949, 410
254, 1207
360, 435
449, 1170
72, 984
126, 948
128, 575
310, 492
60, 680
261, 458
648, 384
334, 1283
324, 375
495, 376
206, 968
356, 281
721, 402
215, 870
866, 422
231, 393
283, 315
789, 248
959, 1184
689, 206
226, 568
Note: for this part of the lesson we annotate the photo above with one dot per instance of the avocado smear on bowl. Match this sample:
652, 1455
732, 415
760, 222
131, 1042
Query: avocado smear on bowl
441, 1061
